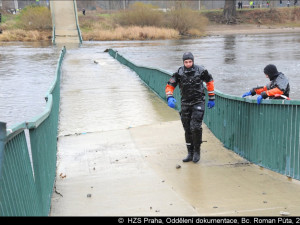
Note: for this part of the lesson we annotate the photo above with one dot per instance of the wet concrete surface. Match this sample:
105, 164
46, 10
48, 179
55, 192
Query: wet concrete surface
119, 157
223, 183
100, 94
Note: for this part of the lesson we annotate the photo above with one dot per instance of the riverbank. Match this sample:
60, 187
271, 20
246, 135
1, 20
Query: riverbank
255, 21
248, 21
100, 26
221, 29
142, 33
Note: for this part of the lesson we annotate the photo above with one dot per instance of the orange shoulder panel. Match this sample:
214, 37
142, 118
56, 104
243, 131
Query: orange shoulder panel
260, 90
274, 91
169, 90
210, 87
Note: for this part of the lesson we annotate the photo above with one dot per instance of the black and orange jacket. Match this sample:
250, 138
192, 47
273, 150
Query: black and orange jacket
191, 86
278, 86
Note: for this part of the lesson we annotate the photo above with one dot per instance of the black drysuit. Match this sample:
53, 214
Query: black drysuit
191, 86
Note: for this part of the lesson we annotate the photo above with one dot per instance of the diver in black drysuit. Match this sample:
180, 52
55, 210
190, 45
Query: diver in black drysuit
190, 81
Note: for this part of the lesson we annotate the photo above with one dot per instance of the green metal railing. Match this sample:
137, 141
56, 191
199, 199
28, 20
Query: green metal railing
266, 134
76, 19
53, 22
77, 23
27, 175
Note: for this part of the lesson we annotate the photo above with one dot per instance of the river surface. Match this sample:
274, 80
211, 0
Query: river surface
236, 63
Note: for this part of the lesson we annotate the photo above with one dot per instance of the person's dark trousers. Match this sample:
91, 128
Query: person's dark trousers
191, 118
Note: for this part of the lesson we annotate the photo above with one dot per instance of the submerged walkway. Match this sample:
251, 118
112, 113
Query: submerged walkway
119, 146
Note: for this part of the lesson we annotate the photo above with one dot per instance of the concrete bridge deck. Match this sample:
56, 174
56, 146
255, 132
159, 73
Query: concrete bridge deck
121, 170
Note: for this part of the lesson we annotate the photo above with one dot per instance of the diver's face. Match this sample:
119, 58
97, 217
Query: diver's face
188, 63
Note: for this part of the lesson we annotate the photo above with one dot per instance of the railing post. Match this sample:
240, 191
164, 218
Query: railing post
2, 144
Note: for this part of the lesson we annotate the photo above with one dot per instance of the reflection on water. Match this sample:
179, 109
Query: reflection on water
236, 62
229, 49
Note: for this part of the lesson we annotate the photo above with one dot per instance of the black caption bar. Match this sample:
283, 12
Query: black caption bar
205, 220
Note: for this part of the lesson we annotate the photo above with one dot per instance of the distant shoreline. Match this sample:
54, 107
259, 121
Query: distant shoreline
210, 30
217, 30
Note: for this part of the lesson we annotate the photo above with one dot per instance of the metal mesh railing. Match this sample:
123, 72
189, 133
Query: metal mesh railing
18, 194
266, 134
27, 175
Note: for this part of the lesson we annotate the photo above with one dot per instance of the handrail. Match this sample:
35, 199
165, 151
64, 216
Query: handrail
53, 35
53, 22
57, 72
267, 134
37, 120
2, 145
77, 23
15, 130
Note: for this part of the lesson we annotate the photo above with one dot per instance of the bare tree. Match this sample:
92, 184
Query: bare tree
229, 12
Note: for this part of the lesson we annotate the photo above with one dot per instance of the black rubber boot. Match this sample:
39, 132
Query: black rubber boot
197, 140
190, 154
189, 146
196, 156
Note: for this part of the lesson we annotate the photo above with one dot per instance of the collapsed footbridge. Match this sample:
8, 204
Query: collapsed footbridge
130, 170
65, 22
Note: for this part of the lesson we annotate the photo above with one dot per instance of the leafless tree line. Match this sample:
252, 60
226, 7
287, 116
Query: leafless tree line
229, 6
